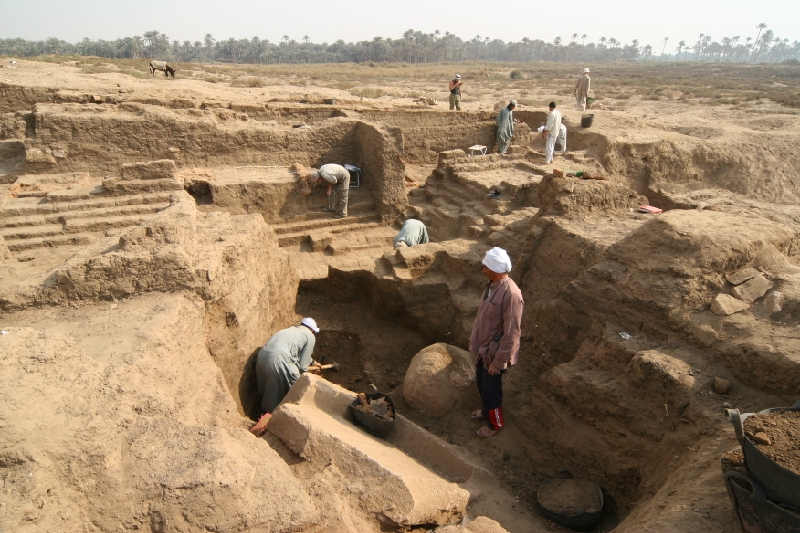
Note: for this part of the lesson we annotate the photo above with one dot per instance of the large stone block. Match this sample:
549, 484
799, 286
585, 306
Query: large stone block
436, 378
153, 170
314, 420
753, 289
724, 304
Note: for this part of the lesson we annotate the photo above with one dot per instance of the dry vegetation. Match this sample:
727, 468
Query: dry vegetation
686, 82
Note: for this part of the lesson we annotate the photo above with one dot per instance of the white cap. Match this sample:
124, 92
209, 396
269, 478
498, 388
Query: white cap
458, 76
513, 102
586, 70
311, 324
497, 260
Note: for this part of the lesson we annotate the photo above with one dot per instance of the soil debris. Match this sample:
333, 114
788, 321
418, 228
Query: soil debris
777, 435
379, 407
577, 495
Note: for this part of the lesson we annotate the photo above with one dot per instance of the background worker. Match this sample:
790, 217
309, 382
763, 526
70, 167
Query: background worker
561, 141
505, 126
581, 91
279, 364
455, 92
412, 233
550, 132
337, 197
495, 338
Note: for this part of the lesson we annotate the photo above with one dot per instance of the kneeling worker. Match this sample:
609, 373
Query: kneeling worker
337, 197
280, 363
413, 233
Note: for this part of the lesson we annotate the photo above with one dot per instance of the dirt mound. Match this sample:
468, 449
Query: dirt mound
131, 424
571, 197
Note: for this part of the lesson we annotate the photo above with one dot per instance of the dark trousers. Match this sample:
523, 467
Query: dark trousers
491, 390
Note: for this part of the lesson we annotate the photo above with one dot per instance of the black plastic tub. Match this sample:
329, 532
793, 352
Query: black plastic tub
380, 427
780, 483
571, 517
586, 120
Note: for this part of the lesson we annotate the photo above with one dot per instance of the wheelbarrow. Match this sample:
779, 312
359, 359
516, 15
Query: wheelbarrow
780, 483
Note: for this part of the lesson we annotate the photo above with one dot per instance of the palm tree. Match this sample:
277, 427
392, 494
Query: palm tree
208, 40
647, 50
664, 48
760, 27
681, 46
583, 39
574, 37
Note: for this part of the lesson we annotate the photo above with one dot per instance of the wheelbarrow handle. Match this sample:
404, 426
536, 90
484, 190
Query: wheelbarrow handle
736, 419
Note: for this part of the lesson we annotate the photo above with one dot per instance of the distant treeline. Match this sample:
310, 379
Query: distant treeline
417, 47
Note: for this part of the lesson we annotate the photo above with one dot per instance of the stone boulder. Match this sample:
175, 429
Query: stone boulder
436, 378
725, 305
752, 289
773, 303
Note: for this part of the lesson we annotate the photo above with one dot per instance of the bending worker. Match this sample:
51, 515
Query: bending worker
337, 197
495, 338
413, 233
280, 363
505, 126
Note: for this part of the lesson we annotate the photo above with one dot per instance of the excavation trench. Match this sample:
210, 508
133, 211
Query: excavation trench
367, 328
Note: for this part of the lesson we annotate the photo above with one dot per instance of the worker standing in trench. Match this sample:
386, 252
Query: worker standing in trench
280, 363
337, 197
495, 339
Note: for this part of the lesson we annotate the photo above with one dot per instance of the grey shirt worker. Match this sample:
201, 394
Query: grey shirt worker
505, 126
413, 233
339, 177
280, 363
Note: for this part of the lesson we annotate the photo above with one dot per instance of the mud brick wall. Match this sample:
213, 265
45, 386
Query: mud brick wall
379, 148
100, 138
426, 132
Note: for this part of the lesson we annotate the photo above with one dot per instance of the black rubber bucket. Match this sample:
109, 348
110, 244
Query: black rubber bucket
780, 483
572, 517
330, 101
586, 120
380, 427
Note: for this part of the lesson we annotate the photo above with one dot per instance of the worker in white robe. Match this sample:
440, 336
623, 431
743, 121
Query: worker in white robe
550, 132
582, 88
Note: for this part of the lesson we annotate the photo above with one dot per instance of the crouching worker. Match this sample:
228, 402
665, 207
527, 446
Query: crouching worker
280, 363
413, 233
495, 337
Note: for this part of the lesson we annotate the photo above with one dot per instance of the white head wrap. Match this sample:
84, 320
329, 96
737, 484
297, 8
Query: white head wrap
311, 323
497, 260
586, 70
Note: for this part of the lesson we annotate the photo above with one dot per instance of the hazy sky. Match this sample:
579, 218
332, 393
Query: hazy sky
354, 20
